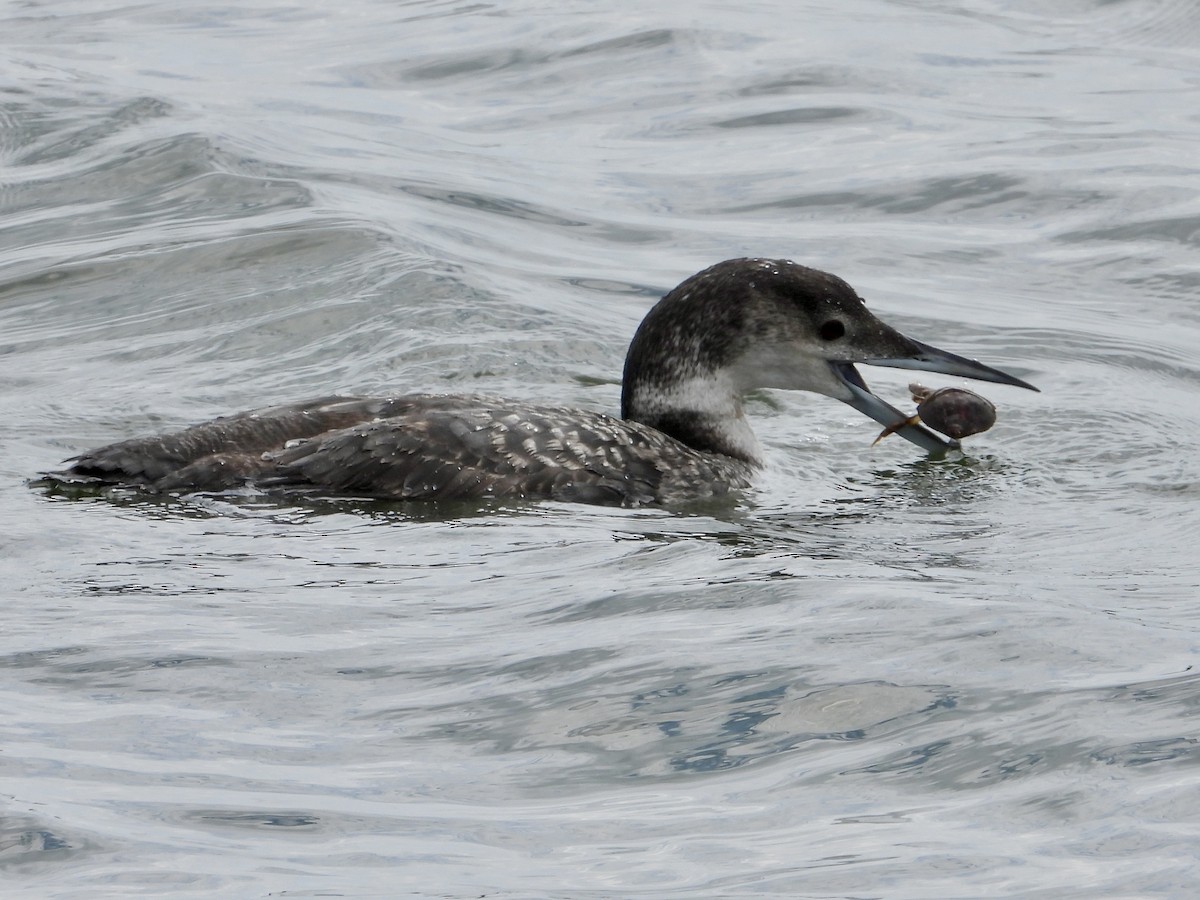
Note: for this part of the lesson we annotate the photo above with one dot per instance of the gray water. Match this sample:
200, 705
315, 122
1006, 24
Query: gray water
874, 676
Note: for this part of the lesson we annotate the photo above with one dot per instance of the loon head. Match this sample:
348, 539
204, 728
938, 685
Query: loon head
745, 324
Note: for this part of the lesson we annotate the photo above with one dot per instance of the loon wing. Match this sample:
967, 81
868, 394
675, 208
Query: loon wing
427, 447
447, 448
218, 454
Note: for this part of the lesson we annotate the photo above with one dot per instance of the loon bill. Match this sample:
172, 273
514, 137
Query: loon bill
740, 325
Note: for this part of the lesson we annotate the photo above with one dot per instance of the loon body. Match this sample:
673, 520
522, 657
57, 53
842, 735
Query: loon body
740, 325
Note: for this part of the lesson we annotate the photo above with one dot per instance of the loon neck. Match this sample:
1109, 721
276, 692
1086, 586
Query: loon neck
703, 412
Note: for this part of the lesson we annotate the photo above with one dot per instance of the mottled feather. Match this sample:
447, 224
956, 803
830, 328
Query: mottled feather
429, 447
421, 447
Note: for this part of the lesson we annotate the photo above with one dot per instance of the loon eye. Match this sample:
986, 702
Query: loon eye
831, 330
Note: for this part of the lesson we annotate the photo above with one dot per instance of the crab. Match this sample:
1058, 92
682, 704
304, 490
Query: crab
955, 412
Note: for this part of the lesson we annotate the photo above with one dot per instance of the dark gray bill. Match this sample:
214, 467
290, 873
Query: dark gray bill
931, 359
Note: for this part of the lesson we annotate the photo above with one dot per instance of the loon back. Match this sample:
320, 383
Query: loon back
420, 447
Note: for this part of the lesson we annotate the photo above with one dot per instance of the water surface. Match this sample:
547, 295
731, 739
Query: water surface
874, 675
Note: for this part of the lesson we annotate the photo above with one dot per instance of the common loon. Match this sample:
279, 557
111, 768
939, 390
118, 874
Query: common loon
737, 326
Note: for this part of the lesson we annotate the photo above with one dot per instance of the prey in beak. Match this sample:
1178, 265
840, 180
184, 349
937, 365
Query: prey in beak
913, 355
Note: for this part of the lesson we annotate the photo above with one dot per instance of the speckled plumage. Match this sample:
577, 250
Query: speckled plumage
423, 447
739, 325
428, 447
